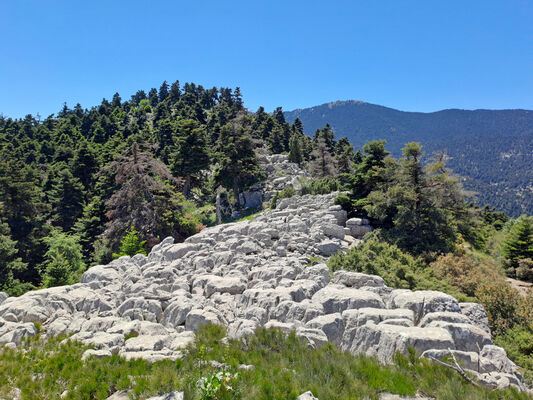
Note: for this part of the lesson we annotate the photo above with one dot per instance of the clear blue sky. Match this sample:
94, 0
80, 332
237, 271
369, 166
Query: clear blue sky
420, 55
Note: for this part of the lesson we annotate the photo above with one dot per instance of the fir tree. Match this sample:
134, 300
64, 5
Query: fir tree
67, 199
322, 162
130, 244
191, 156
237, 163
63, 259
163, 91
9, 261
85, 164
518, 242
295, 149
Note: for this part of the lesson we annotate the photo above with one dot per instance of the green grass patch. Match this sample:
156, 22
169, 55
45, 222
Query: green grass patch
284, 367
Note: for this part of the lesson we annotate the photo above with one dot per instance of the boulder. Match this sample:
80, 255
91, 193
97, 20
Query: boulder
169, 396
176, 312
466, 337
333, 230
177, 251
231, 285
328, 247
95, 353
423, 302
99, 274
331, 324
468, 360
357, 280
336, 298
198, 317
383, 340
494, 359
306, 396
476, 314
315, 337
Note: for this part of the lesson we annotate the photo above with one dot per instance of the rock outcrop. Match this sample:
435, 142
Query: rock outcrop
257, 273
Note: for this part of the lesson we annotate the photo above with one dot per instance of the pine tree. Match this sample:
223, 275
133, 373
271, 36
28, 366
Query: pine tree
421, 209
90, 225
295, 149
322, 162
145, 198
174, 93
326, 134
153, 97
130, 244
66, 197
237, 163
163, 91
518, 243
58, 271
191, 156
275, 140
164, 138
85, 164
9, 262
63, 259
344, 156
24, 212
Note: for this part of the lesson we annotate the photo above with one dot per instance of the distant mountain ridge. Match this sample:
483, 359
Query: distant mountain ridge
493, 149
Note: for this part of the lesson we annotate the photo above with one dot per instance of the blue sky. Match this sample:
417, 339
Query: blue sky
421, 55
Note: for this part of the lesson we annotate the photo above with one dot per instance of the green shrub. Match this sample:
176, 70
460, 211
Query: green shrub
319, 186
131, 244
282, 194
218, 385
398, 269
518, 342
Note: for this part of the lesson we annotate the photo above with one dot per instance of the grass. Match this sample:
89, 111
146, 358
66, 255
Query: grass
284, 367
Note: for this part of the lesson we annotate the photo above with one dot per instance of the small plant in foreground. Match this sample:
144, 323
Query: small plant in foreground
218, 385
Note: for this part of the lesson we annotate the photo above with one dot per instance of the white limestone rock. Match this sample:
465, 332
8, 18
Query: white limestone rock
477, 315
336, 298
169, 396
306, 396
331, 324
383, 340
357, 280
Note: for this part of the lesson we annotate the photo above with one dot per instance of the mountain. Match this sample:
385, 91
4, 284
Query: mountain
492, 149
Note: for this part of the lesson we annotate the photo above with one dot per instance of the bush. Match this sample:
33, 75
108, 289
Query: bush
397, 268
319, 186
465, 272
307, 186
282, 194
502, 304
524, 271
518, 342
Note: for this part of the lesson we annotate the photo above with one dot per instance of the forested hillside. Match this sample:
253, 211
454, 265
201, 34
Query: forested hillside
493, 150
73, 184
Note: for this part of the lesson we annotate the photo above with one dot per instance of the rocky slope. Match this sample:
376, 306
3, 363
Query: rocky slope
257, 273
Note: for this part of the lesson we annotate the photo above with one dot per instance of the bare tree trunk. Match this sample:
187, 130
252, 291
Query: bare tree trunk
187, 187
218, 211
236, 192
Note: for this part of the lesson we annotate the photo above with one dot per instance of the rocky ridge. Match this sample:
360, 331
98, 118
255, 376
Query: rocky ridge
258, 273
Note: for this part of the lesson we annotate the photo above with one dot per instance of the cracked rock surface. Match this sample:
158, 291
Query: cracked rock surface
257, 273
